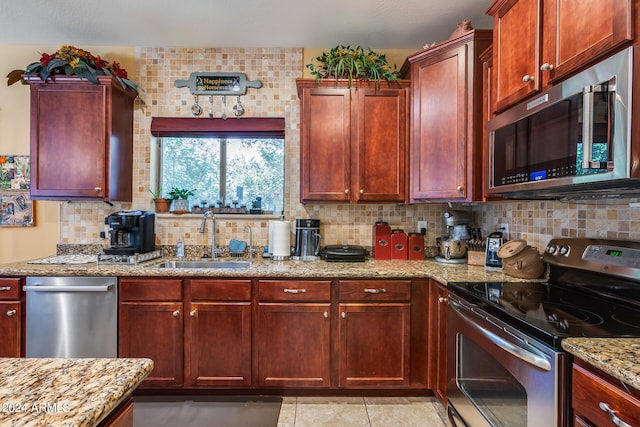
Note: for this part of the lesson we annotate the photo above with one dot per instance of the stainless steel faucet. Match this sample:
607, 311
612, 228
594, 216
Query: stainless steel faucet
214, 249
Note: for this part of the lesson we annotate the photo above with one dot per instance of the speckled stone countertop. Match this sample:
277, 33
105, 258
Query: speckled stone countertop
65, 392
259, 267
617, 357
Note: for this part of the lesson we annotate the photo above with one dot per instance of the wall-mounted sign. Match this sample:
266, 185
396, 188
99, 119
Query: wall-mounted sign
218, 83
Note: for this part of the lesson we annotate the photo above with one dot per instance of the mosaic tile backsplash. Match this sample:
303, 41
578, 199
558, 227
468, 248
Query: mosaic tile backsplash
158, 68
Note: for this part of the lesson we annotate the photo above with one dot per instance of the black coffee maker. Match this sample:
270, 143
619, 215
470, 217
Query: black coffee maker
131, 232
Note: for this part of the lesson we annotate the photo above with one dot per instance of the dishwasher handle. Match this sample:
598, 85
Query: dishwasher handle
45, 288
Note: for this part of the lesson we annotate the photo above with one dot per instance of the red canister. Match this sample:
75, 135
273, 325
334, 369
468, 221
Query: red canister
381, 240
416, 246
399, 243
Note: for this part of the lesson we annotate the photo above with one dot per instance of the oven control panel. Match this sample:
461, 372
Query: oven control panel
615, 257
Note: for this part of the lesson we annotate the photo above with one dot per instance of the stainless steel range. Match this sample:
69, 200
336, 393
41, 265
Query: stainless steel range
506, 366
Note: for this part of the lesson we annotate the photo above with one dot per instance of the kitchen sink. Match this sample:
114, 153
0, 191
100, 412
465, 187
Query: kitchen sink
204, 264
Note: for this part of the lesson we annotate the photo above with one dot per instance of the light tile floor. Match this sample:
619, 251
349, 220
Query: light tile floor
361, 412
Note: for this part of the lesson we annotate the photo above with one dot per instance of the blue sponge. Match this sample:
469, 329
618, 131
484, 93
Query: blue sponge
237, 245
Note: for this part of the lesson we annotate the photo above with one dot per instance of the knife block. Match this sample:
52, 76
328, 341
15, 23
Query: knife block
475, 258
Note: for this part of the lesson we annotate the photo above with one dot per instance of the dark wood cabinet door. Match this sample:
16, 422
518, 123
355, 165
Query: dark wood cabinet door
374, 345
11, 327
584, 31
154, 330
380, 145
81, 140
516, 42
438, 340
294, 344
446, 139
325, 144
219, 344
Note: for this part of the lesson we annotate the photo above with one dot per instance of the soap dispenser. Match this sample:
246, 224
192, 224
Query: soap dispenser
180, 248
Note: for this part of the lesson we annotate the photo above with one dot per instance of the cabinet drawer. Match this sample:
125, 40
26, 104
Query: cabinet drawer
150, 290
221, 290
10, 288
375, 290
294, 290
589, 391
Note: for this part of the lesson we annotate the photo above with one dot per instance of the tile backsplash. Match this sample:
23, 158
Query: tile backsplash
277, 68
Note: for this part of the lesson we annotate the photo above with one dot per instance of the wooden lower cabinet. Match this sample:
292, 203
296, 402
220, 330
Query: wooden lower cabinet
601, 401
198, 333
294, 345
374, 336
438, 297
293, 334
154, 330
374, 345
11, 315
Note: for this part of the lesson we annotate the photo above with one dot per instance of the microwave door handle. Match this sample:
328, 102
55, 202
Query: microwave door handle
587, 127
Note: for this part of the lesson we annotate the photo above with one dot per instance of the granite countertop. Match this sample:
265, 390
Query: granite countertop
394, 269
65, 392
617, 357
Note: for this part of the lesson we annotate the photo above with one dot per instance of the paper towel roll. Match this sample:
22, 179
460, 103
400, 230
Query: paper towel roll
281, 248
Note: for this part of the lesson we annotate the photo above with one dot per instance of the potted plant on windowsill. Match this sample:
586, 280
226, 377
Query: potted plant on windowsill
180, 200
345, 62
161, 203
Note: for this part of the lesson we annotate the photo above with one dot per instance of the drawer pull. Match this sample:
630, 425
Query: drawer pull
442, 299
5, 288
374, 291
294, 291
176, 313
612, 414
11, 312
527, 78
546, 67
192, 313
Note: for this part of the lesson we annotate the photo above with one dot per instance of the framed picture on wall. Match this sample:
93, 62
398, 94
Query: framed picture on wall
16, 209
15, 172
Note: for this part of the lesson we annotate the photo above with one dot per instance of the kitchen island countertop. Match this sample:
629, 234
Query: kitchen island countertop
65, 392
617, 357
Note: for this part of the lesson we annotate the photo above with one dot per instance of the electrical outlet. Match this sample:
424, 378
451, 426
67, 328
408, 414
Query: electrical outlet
505, 230
422, 227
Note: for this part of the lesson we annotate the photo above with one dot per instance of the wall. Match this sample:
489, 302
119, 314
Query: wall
155, 69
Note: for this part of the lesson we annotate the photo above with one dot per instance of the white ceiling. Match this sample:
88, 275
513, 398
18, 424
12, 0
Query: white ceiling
382, 24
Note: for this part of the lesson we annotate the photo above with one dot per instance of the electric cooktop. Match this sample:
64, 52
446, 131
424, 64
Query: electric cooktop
593, 290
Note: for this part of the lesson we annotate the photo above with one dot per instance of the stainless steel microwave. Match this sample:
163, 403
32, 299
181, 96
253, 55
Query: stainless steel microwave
573, 141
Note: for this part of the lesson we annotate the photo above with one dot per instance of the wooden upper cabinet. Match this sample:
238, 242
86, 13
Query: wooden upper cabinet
537, 43
81, 140
353, 141
446, 114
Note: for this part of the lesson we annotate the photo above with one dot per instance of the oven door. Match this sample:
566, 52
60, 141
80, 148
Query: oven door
496, 377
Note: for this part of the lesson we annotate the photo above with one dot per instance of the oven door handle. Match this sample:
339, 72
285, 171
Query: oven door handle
519, 352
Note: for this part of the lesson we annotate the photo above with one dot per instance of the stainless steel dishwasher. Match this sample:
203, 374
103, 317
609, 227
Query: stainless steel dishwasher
71, 317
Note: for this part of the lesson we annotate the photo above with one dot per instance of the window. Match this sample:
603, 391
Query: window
238, 165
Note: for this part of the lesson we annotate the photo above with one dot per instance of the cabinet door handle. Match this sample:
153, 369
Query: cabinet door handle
176, 313
5, 288
442, 299
527, 78
294, 291
11, 312
546, 67
97, 189
374, 291
612, 415
192, 313
343, 315
362, 191
346, 191
326, 315
459, 188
